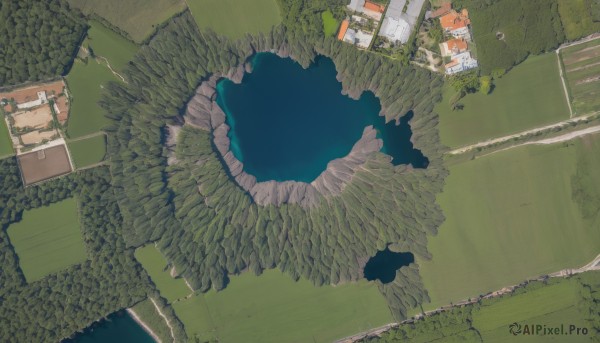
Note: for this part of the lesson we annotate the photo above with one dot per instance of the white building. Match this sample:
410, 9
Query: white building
461, 62
42, 99
399, 24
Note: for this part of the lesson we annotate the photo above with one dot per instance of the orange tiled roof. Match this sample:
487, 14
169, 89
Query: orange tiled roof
451, 64
343, 29
445, 8
457, 44
374, 7
454, 20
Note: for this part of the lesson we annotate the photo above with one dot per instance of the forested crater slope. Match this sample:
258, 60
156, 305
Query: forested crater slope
209, 227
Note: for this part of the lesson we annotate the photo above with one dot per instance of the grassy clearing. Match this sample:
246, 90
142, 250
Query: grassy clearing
48, 239
550, 305
157, 267
86, 80
582, 70
330, 25
576, 18
6, 147
85, 84
509, 216
138, 18
235, 18
528, 96
147, 313
274, 308
88, 151
106, 43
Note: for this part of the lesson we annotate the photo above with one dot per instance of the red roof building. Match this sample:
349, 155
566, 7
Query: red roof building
343, 29
374, 7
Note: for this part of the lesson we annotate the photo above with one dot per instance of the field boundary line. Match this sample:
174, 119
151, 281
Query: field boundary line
145, 326
91, 135
594, 265
503, 139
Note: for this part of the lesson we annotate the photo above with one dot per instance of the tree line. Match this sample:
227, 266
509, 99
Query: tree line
38, 39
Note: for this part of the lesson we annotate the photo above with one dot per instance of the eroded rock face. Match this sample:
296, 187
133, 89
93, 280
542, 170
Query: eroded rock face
204, 113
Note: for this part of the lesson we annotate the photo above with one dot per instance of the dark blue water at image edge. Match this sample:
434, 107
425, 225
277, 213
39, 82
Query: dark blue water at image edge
119, 327
287, 122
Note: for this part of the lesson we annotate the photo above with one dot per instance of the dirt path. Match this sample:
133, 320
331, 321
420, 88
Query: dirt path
91, 135
557, 139
143, 325
593, 265
503, 139
164, 317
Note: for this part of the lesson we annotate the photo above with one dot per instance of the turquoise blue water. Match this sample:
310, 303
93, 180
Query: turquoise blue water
118, 328
287, 122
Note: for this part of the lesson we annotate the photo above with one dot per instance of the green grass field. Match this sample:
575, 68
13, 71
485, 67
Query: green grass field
108, 44
576, 18
550, 305
156, 266
582, 67
330, 25
85, 83
274, 308
6, 147
235, 18
88, 151
48, 239
136, 17
528, 96
86, 80
509, 216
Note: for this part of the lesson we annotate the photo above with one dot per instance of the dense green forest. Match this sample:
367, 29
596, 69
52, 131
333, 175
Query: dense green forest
507, 31
217, 231
38, 39
63, 303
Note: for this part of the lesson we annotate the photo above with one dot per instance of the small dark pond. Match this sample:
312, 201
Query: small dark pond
117, 328
384, 264
287, 122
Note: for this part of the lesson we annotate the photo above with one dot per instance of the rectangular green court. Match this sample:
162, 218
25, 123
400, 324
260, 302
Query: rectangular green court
235, 18
88, 151
48, 239
273, 308
155, 265
529, 96
6, 147
510, 216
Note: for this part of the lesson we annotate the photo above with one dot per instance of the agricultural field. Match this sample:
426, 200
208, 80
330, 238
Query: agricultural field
86, 79
156, 266
137, 18
88, 151
551, 305
510, 216
6, 148
48, 239
581, 64
330, 24
577, 19
235, 18
530, 95
110, 45
274, 308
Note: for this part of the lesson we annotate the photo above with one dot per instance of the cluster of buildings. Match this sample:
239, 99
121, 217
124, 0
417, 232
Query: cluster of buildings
360, 28
399, 20
33, 116
456, 25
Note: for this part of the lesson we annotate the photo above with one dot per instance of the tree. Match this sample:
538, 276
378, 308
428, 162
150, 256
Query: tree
485, 84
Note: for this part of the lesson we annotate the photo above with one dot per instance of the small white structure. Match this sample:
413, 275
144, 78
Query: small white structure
42, 99
356, 5
461, 62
